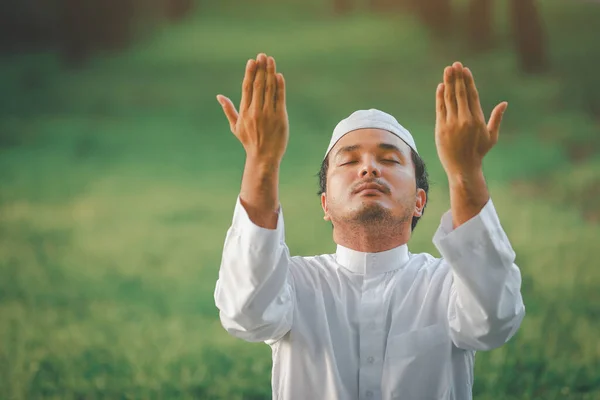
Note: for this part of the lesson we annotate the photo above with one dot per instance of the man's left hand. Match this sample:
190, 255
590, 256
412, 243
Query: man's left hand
462, 136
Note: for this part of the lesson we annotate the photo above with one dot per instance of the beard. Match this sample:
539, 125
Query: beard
372, 213
375, 215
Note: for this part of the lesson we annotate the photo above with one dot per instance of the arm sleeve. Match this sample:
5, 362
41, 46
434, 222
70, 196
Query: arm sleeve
486, 307
254, 290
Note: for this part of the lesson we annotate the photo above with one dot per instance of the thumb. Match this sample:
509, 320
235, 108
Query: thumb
495, 120
229, 110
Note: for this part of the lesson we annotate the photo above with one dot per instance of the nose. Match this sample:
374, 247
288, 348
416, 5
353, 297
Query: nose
370, 167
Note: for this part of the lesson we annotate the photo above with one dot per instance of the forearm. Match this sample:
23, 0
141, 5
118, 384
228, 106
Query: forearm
468, 195
254, 289
259, 193
486, 306
485, 311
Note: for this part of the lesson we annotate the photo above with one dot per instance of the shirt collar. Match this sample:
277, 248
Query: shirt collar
359, 262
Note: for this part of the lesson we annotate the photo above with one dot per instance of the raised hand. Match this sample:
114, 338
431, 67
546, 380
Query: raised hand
262, 122
462, 135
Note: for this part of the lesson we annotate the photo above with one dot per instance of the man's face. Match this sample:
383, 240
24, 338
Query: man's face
371, 178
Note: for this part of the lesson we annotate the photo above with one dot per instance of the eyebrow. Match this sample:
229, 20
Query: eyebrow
383, 146
388, 146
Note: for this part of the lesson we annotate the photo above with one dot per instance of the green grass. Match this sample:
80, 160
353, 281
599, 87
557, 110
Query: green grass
119, 181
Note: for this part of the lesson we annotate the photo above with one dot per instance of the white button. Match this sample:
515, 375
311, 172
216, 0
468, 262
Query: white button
370, 360
369, 393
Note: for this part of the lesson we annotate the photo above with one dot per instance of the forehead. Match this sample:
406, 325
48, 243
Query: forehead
370, 137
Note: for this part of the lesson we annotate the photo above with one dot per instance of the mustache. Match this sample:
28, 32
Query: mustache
381, 185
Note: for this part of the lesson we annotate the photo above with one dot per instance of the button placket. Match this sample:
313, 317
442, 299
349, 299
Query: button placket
366, 335
371, 336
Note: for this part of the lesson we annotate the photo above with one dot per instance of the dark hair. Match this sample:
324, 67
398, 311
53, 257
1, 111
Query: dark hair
420, 175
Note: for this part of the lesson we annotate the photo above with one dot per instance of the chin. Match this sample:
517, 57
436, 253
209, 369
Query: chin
372, 211
371, 202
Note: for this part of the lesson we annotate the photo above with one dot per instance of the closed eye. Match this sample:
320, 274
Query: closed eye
392, 161
349, 162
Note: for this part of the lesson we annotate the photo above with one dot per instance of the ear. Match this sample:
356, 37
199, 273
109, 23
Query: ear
324, 207
421, 200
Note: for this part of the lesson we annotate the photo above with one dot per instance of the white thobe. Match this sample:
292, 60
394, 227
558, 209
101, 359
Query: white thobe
387, 325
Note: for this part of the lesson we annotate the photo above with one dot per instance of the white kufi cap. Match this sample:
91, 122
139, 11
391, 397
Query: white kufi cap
374, 119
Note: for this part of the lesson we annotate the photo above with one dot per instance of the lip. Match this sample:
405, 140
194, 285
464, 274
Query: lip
369, 188
370, 192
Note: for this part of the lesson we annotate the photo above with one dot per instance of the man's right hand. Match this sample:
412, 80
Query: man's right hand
262, 128
262, 123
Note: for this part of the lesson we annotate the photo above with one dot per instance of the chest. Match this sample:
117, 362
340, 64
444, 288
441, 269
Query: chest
389, 330
385, 304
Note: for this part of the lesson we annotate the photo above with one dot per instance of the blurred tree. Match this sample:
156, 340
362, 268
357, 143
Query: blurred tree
87, 26
435, 14
479, 24
342, 6
528, 36
389, 5
74, 32
178, 9
113, 24
26, 25
79, 28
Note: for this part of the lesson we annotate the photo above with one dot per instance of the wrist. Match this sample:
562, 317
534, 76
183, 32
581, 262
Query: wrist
468, 188
259, 191
465, 177
262, 164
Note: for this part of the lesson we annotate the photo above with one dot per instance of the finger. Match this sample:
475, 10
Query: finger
280, 96
258, 91
495, 120
473, 95
440, 106
464, 113
271, 83
229, 110
247, 85
449, 97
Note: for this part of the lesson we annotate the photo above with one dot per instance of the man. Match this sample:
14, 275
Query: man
372, 321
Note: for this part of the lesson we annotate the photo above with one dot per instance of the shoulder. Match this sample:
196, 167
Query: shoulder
315, 261
314, 270
426, 266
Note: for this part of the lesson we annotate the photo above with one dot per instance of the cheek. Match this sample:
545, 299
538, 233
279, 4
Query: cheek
338, 194
403, 177
339, 182
403, 183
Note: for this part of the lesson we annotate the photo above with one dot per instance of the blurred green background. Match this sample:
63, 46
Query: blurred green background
118, 177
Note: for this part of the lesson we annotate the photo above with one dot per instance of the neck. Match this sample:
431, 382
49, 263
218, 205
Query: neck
371, 238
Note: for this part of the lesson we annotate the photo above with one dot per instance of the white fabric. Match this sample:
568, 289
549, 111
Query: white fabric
389, 325
371, 118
